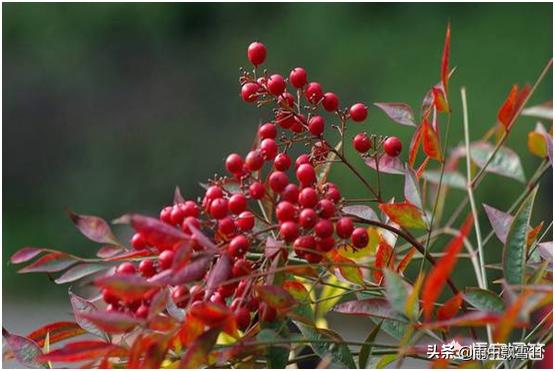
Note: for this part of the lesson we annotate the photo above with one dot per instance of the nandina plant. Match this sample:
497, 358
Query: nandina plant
244, 275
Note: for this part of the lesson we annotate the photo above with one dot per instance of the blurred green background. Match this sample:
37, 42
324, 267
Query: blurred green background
108, 106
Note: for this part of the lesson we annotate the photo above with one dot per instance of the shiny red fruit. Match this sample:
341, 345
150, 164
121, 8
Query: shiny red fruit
254, 160
361, 143
285, 211
146, 267
237, 203
290, 193
297, 77
234, 163
330, 102
358, 112
239, 246
243, 318
289, 231
393, 146
256, 53
308, 218
181, 296
324, 228
306, 175
138, 242
245, 221
269, 149
276, 84
282, 162
241, 267
308, 197
359, 238
278, 180
316, 125
218, 208
126, 268
313, 92
344, 227
267, 130
248, 92
257, 190
166, 259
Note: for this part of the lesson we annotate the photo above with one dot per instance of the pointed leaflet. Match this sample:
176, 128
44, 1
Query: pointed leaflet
436, 279
450, 308
399, 112
25, 254
469, 319
275, 296
440, 98
155, 232
50, 263
415, 145
537, 144
56, 331
81, 306
412, 307
450, 178
80, 271
412, 189
512, 105
361, 211
396, 290
406, 260
347, 268
94, 228
505, 162
387, 164
177, 197
445, 58
276, 356
112, 322
197, 354
514, 253
214, 316
25, 351
193, 271
83, 351
366, 349
220, 272
510, 319
108, 251
430, 141
484, 300
500, 221
384, 258
405, 214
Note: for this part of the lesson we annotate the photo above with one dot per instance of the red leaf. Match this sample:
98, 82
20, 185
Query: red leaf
125, 286
177, 197
56, 331
436, 279
80, 306
214, 316
191, 329
414, 145
398, 112
383, 259
49, 263
25, 351
84, 350
404, 214
130, 255
155, 232
158, 303
445, 58
470, 319
218, 274
347, 268
197, 354
406, 260
112, 322
275, 296
147, 351
193, 271
431, 141
509, 319
80, 271
25, 254
512, 105
108, 251
201, 238
377, 308
440, 98
93, 227
450, 308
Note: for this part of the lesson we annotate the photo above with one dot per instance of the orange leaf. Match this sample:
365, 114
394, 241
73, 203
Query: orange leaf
445, 58
347, 268
83, 350
450, 308
510, 319
440, 99
275, 296
436, 279
414, 145
405, 214
512, 104
384, 258
406, 260
431, 141
56, 331
191, 329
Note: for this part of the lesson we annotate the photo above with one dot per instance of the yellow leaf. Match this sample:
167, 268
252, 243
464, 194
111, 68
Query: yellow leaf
366, 252
536, 144
333, 288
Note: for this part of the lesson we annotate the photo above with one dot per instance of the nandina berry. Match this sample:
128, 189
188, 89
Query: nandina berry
257, 190
241, 287
302, 159
245, 221
266, 313
197, 292
285, 119
332, 193
190, 208
142, 311
109, 297
234, 163
190, 220
299, 123
242, 318
308, 218
306, 175
254, 160
358, 112
166, 259
218, 208
344, 227
165, 214
146, 267
285, 211
325, 208
181, 296
361, 143
320, 150
126, 268
359, 238
237, 203
268, 130
241, 267
113, 308
325, 244
324, 228
330, 102
276, 84
138, 241
214, 192
313, 258
289, 231
290, 193
313, 92
269, 148
227, 290
282, 162
286, 100
308, 197
316, 125
177, 215
304, 244
297, 77
392, 146
226, 226
278, 180
217, 298
248, 92
256, 53
238, 246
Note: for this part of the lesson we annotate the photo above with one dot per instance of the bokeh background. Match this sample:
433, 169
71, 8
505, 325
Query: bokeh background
107, 107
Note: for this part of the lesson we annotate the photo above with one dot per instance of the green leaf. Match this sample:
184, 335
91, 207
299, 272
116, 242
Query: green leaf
412, 188
514, 253
505, 162
366, 349
452, 179
81, 306
277, 356
79, 271
484, 300
25, 351
396, 290
386, 360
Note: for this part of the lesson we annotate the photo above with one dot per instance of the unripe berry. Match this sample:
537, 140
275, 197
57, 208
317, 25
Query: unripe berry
269, 148
285, 211
324, 228
313, 92
257, 190
302, 159
238, 246
306, 174
267, 130
243, 318
237, 203
297, 77
181, 296
316, 125
359, 238
248, 92
325, 208
138, 242
361, 143
126, 268
289, 231
218, 208
393, 146
165, 214
276, 84
146, 267
278, 181
245, 221
308, 218
234, 163
241, 267
308, 197
282, 162
166, 259
254, 160
358, 112
256, 53
344, 227
330, 102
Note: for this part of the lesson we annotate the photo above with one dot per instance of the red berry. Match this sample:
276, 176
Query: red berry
257, 190
214, 192
308, 197
320, 150
306, 174
278, 181
330, 102
226, 226
333, 194
299, 123
146, 267
308, 218
165, 214
197, 292
286, 100
289, 231
358, 112
248, 92
276, 84
166, 259
217, 298
243, 318
113, 308
126, 268
324, 228
254, 160
109, 298
241, 287
190, 208
302, 159
266, 312
313, 258
241, 267
290, 193
181, 296
142, 311
218, 208
304, 244
325, 244
325, 208
282, 162
227, 290
256, 53
344, 227
177, 215
316, 125
267, 130
297, 77
285, 119
234, 163
269, 148
313, 92
239, 246
359, 238
138, 241
361, 143
393, 146
190, 220
285, 211
245, 221
237, 203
